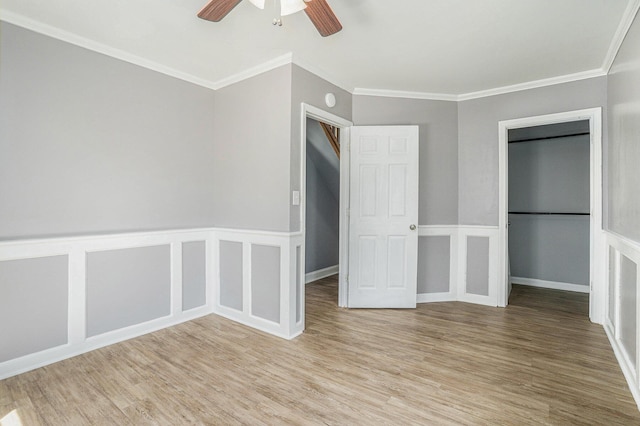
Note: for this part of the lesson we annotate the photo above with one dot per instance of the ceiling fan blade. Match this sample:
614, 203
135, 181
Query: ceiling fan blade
323, 17
215, 10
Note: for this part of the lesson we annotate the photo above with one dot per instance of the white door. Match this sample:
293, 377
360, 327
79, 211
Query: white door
383, 233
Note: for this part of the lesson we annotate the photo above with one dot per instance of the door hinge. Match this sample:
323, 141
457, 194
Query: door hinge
348, 212
346, 279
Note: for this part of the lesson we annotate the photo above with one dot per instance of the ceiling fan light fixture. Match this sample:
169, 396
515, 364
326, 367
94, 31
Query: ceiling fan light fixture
288, 7
258, 3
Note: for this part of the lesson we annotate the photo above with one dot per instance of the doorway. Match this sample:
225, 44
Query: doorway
591, 122
549, 206
322, 196
343, 126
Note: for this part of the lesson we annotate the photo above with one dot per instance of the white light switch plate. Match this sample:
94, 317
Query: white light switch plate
296, 198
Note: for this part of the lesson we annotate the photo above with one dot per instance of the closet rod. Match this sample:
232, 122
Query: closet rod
552, 213
550, 137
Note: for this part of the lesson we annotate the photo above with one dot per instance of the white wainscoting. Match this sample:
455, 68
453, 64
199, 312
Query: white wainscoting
458, 289
291, 322
618, 248
77, 248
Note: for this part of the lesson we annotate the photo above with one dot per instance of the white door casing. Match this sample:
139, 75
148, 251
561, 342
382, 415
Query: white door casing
383, 233
598, 254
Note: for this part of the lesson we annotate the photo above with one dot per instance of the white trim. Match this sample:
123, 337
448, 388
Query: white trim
77, 248
535, 84
288, 58
319, 274
49, 356
458, 235
309, 111
621, 32
597, 273
360, 91
321, 73
254, 71
53, 32
492, 233
630, 249
534, 282
627, 369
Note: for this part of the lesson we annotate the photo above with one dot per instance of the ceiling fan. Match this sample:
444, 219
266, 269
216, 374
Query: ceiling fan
318, 11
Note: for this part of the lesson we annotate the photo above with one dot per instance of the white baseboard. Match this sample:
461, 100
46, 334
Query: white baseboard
435, 297
532, 282
321, 273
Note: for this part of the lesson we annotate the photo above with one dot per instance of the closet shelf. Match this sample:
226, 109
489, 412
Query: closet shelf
553, 213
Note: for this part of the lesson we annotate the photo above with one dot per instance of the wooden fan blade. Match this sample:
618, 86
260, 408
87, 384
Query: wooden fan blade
215, 10
323, 17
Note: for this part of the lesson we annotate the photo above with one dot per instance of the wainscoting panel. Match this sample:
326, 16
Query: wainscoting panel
622, 319
61, 297
127, 287
194, 274
231, 290
477, 266
434, 267
473, 273
272, 296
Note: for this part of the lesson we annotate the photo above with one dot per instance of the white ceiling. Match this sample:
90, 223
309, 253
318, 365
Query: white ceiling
452, 47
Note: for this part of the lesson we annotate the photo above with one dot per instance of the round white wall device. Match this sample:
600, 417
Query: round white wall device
330, 100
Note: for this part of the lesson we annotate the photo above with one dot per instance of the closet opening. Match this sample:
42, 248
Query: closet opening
549, 205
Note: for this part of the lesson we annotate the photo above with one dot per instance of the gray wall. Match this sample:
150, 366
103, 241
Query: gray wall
550, 248
623, 178
550, 175
433, 269
194, 274
478, 138
322, 222
231, 277
265, 282
310, 89
628, 306
92, 144
438, 127
478, 265
251, 152
33, 305
127, 287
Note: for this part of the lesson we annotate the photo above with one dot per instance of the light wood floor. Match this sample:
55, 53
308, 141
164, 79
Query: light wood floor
540, 361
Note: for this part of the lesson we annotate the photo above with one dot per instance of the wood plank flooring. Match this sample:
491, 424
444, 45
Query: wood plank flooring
539, 361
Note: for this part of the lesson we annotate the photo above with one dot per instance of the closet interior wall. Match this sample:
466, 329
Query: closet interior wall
549, 204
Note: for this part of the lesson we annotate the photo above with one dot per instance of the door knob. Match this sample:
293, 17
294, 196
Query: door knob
412, 227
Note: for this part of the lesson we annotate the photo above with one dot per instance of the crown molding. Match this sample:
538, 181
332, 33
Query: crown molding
482, 93
568, 78
289, 58
322, 74
56, 33
623, 28
271, 64
405, 94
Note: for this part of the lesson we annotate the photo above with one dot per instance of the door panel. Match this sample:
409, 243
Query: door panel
384, 209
